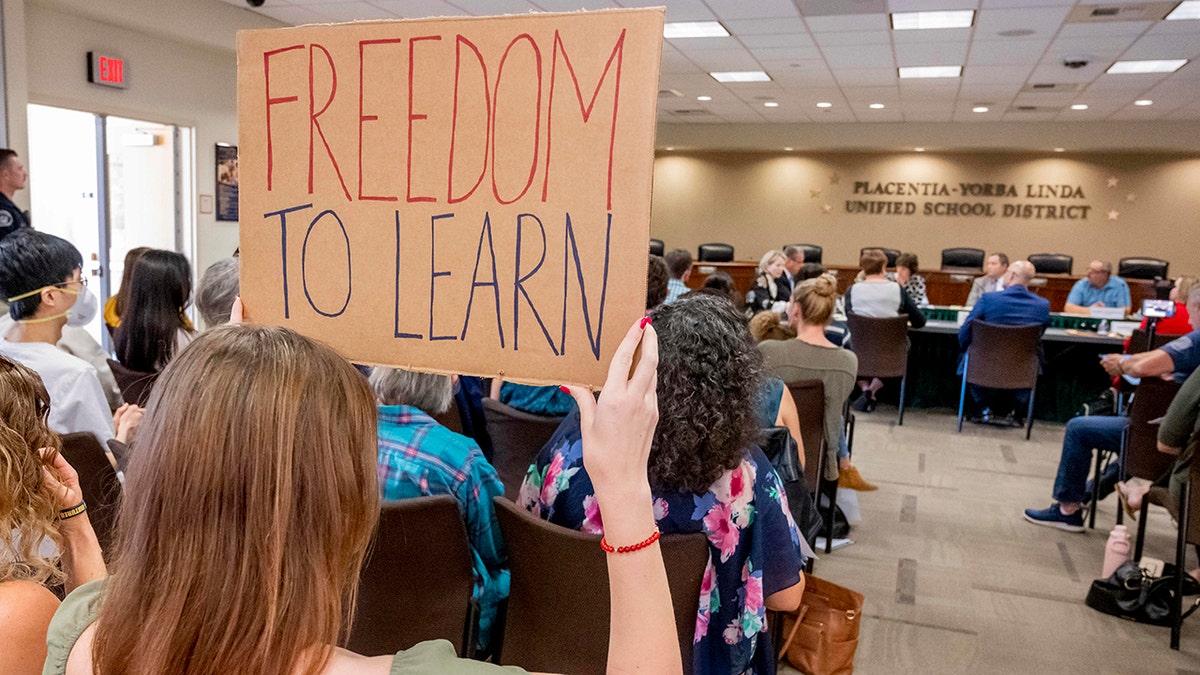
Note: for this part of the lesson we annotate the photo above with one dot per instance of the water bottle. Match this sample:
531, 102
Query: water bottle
1116, 551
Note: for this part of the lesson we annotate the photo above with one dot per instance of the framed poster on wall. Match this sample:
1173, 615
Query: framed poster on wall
227, 182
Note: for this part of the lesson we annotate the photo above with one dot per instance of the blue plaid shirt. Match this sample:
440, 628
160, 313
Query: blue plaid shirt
419, 457
675, 288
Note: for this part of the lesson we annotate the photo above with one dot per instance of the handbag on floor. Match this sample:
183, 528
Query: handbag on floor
822, 635
1129, 593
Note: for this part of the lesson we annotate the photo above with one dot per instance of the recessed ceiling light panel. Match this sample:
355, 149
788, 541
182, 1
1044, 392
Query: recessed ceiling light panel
876, 106
741, 76
1142, 67
1144, 102
824, 104
703, 98
771, 104
1079, 106
979, 109
694, 29
932, 20
913, 72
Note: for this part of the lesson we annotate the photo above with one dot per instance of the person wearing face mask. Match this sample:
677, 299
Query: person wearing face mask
41, 278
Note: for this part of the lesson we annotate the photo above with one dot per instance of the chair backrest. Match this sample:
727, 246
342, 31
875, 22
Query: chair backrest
1142, 268
417, 581
451, 419
134, 384
1003, 357
812, 252
891, 253
517, 437
657, 247
1137, 340
880, 344
98, 480
962, 258
1150, 401
1193, 505
714, 253
1052, 263
809, 396
559, 586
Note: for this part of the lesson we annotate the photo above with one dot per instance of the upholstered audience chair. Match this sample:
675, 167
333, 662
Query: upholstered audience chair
417, 581
1142, 268
1002, 357
882, 349
517, 437
714, 253
962, 258
809, 396
558, 604
98, 481
134, 384
1051, 263
657, 247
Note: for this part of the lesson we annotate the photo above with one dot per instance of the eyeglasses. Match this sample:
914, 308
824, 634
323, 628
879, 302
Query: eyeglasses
82, 280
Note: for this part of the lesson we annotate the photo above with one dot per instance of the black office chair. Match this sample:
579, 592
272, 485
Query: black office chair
715, 253
962, 258
1142, 268
812, 252
657, 247
891, 253
1052, 263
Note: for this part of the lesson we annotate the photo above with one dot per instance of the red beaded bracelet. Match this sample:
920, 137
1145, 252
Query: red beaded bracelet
608, 548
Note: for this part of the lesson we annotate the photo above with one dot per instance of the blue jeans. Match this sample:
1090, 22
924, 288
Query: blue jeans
1083, 435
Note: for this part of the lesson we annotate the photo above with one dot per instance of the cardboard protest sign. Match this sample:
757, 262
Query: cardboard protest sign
466, 195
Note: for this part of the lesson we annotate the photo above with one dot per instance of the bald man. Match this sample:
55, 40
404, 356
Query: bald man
1016, 305
1098, 289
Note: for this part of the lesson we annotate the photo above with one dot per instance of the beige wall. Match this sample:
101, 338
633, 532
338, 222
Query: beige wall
761, 201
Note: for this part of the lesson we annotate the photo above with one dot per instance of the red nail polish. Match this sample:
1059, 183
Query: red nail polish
564, 390
645, 322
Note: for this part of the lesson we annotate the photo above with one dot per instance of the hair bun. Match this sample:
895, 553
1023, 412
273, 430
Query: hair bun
826, 284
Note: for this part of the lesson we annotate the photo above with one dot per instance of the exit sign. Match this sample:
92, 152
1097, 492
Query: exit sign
107, 70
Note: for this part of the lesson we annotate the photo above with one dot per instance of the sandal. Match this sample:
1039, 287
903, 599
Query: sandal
1129, 510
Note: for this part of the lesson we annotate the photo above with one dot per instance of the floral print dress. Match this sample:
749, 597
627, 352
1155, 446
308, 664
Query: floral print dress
754, 545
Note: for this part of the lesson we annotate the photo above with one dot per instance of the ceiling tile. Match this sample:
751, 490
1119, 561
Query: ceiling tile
417, 9
725, 60
1006, 52
932, 54
787, 53
1174, 27
849, 22
292, 14
575, 5
1054, 72
674, 62
862, 56
861, 37
757, 9
941, 35
495, 7
1006, 4
773, 41
677, 10
996, 74
690, 46
861, 96
352, 11
851, 77
921, 5
1043, 21
1094, 48
1183, 46
765, 26
1104, 28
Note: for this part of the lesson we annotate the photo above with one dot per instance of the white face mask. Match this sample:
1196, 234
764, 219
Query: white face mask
79, 314
84, 310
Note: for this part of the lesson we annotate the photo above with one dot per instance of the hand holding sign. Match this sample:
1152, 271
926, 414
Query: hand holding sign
452, 195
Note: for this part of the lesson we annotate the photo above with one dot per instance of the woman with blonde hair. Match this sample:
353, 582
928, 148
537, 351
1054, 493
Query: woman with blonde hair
811, 356
37, 492
252, 497
772, 287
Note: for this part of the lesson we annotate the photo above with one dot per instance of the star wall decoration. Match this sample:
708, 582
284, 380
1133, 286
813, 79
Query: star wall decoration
815, 193
1112, 181
834, 179
1131, 197
826, 209
1113, 215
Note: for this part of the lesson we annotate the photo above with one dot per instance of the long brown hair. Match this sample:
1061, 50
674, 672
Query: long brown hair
27, 509
249, 504
131, 259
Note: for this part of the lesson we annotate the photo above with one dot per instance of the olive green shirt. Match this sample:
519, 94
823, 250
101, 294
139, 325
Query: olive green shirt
1179, 429
80, 608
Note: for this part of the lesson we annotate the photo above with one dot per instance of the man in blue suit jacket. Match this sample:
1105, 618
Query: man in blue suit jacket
1016, 305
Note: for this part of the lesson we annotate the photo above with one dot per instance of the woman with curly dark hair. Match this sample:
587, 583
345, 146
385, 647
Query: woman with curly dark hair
708, 475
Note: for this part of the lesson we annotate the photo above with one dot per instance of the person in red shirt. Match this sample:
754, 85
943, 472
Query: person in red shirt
1179, 324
